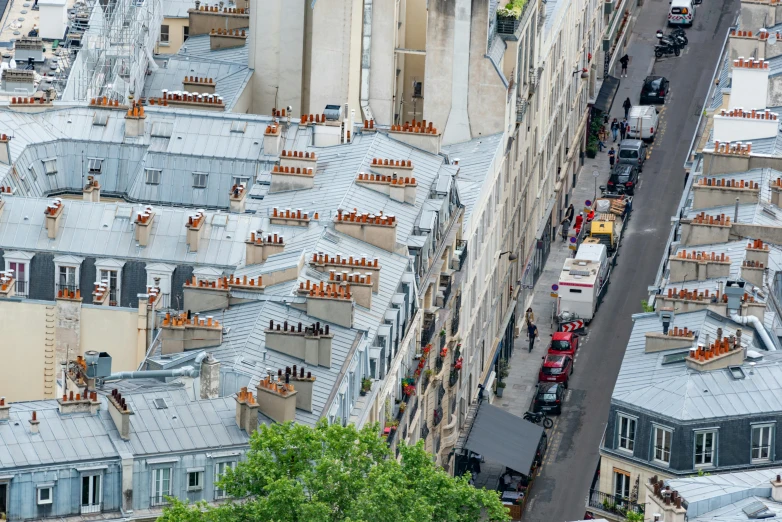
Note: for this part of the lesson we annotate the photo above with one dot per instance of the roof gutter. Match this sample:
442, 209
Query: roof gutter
758, 326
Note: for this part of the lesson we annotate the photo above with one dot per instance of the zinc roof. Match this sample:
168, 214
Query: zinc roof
197, 46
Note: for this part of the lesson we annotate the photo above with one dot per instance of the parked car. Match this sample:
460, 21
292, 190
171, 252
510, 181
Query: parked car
642, 122
632, 152
623, 180
654, 90
549, 398
681, 12
556, 368
563, 343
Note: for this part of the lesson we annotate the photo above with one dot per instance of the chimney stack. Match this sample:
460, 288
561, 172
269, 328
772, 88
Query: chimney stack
246, 411
34, 422
5, 149
258, 248
374, 228
304, 382
277, 398
143, 221
195, 224
134, 121
237, 199
5, 410
210, 377
91, 191
120, 414
53, 213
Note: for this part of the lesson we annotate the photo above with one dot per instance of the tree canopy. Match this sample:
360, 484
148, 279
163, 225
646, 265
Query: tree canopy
331, 473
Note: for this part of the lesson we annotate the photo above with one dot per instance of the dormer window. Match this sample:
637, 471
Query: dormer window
95, 165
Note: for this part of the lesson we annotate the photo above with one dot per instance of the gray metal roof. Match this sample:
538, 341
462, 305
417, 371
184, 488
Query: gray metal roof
177, 8
197, 46
230, 78
476, 162
674, 391
72, 438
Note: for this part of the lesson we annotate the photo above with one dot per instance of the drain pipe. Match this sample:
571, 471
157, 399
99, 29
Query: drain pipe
758, 326
366, 53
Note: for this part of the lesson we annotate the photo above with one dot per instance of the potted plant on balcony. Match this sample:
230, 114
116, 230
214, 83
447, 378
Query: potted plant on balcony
366, 385
402, 406
509, 17
409, 390
442, 332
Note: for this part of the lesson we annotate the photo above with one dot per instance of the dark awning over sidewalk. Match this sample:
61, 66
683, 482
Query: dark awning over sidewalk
504, 438
605, 98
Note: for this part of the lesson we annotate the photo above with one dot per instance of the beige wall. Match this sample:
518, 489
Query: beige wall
176, 35
27, 373
609, 462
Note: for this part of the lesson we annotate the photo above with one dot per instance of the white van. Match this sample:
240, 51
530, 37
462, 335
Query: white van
643, 120
681, 12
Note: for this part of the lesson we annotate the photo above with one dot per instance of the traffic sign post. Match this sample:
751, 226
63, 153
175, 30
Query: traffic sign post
595, 174
572, 326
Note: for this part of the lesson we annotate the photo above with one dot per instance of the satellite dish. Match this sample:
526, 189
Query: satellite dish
772, 38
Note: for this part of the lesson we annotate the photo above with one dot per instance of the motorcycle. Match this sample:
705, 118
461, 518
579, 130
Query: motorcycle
537, 418
679, 37
666, 47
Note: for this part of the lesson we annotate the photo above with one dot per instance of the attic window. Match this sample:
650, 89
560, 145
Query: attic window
123, 212
219, 220
736, 372
673, 358
757, 510
100, 118
160, 404
50, 166
238, 126
199, 179
95, 165
152, 176
162, 129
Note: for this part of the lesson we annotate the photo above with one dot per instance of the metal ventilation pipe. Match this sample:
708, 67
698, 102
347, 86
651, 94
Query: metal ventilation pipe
758, 326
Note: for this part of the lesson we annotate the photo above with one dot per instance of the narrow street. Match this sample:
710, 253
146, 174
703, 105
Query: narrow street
560, 490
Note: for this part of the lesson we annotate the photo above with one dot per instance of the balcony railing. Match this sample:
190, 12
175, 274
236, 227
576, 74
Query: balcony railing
446, 286
461, 248
412, 405
438, 365
437, 416
453, 378
71, 288
424, 431
21, 288
521, 110
428, 332
613, 504
159, 500
457, 306
90, 508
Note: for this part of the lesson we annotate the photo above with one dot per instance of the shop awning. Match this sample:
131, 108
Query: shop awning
605, 98
504, 438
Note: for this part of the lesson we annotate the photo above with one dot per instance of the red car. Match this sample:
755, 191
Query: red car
556, 368
563, 343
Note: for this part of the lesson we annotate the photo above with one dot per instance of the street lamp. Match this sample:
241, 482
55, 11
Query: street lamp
511, 257
584, 73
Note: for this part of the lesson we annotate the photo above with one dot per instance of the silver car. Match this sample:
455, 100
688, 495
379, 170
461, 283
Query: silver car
632, 152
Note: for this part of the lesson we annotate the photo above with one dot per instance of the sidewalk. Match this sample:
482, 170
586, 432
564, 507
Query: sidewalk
524, 366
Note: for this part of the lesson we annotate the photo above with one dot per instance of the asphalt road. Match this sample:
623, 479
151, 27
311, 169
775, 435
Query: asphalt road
560, 491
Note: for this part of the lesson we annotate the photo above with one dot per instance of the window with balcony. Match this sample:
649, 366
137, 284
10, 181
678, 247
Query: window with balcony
705, 444
161, 486
662, 444
110, 271
621, 483
90, 493
761, 442
66, 273
18, 263
626, 432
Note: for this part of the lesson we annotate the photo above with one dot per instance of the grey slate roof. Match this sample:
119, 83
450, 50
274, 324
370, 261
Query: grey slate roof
197, 46
177, 8
674, 391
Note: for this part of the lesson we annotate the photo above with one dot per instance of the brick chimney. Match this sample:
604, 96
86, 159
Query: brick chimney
329, 302
226, 39
202, 294
210, 378
396, 185
291, 217
697, 266
120, 414
311, 343
360, 285
5, 149
53, 213
204, 18
717, 192
246, 411
323, 262
134, 121
70, 403
722, 353
418, 134
375, 229
298, 159
749, 86
237, 199
705, 230
195, 224
292, 178
304, 384
198, 101
34, 423
675, 338
258, 249
91, 191
272, 138
662, 502
143, 223
7, 284
198, 85
181, 333
277, 397
776, 489
5, 410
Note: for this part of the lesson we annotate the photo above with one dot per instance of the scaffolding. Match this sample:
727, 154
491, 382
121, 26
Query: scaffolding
109, 49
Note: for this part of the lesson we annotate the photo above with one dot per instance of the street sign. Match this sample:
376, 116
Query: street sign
588, 203
555, 287
596, 173
554, 294
573, 239
572, 247
572, 326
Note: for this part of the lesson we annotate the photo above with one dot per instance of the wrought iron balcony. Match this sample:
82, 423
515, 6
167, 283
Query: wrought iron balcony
428, 332
457, 306
453, 378
613, 504
424, 430
437, 417
521, 110
461, 249
438, 365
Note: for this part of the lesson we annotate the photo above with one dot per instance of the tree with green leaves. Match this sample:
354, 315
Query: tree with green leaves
331, 473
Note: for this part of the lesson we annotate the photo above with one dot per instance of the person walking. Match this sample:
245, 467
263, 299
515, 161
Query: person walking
611, 157
570, 212
532, 331
623, 129
624, 60
529, 317
614, 128
626, 106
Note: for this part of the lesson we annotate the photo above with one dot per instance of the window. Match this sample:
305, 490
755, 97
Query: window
95, 164
704, 448
66, 278
44, 495
161, 486
163, 35
621, 483
220, 469
50, 166
90, 493
199, 179
33, 175
195, 480
673, 358
162, 272
626, 432
761, 443
662, 444
19, 264
110, 271
185, 33
152, 176
240, 180
110, 276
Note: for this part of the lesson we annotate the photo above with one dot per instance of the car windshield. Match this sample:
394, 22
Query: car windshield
549, 396
628, 153
560, 345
